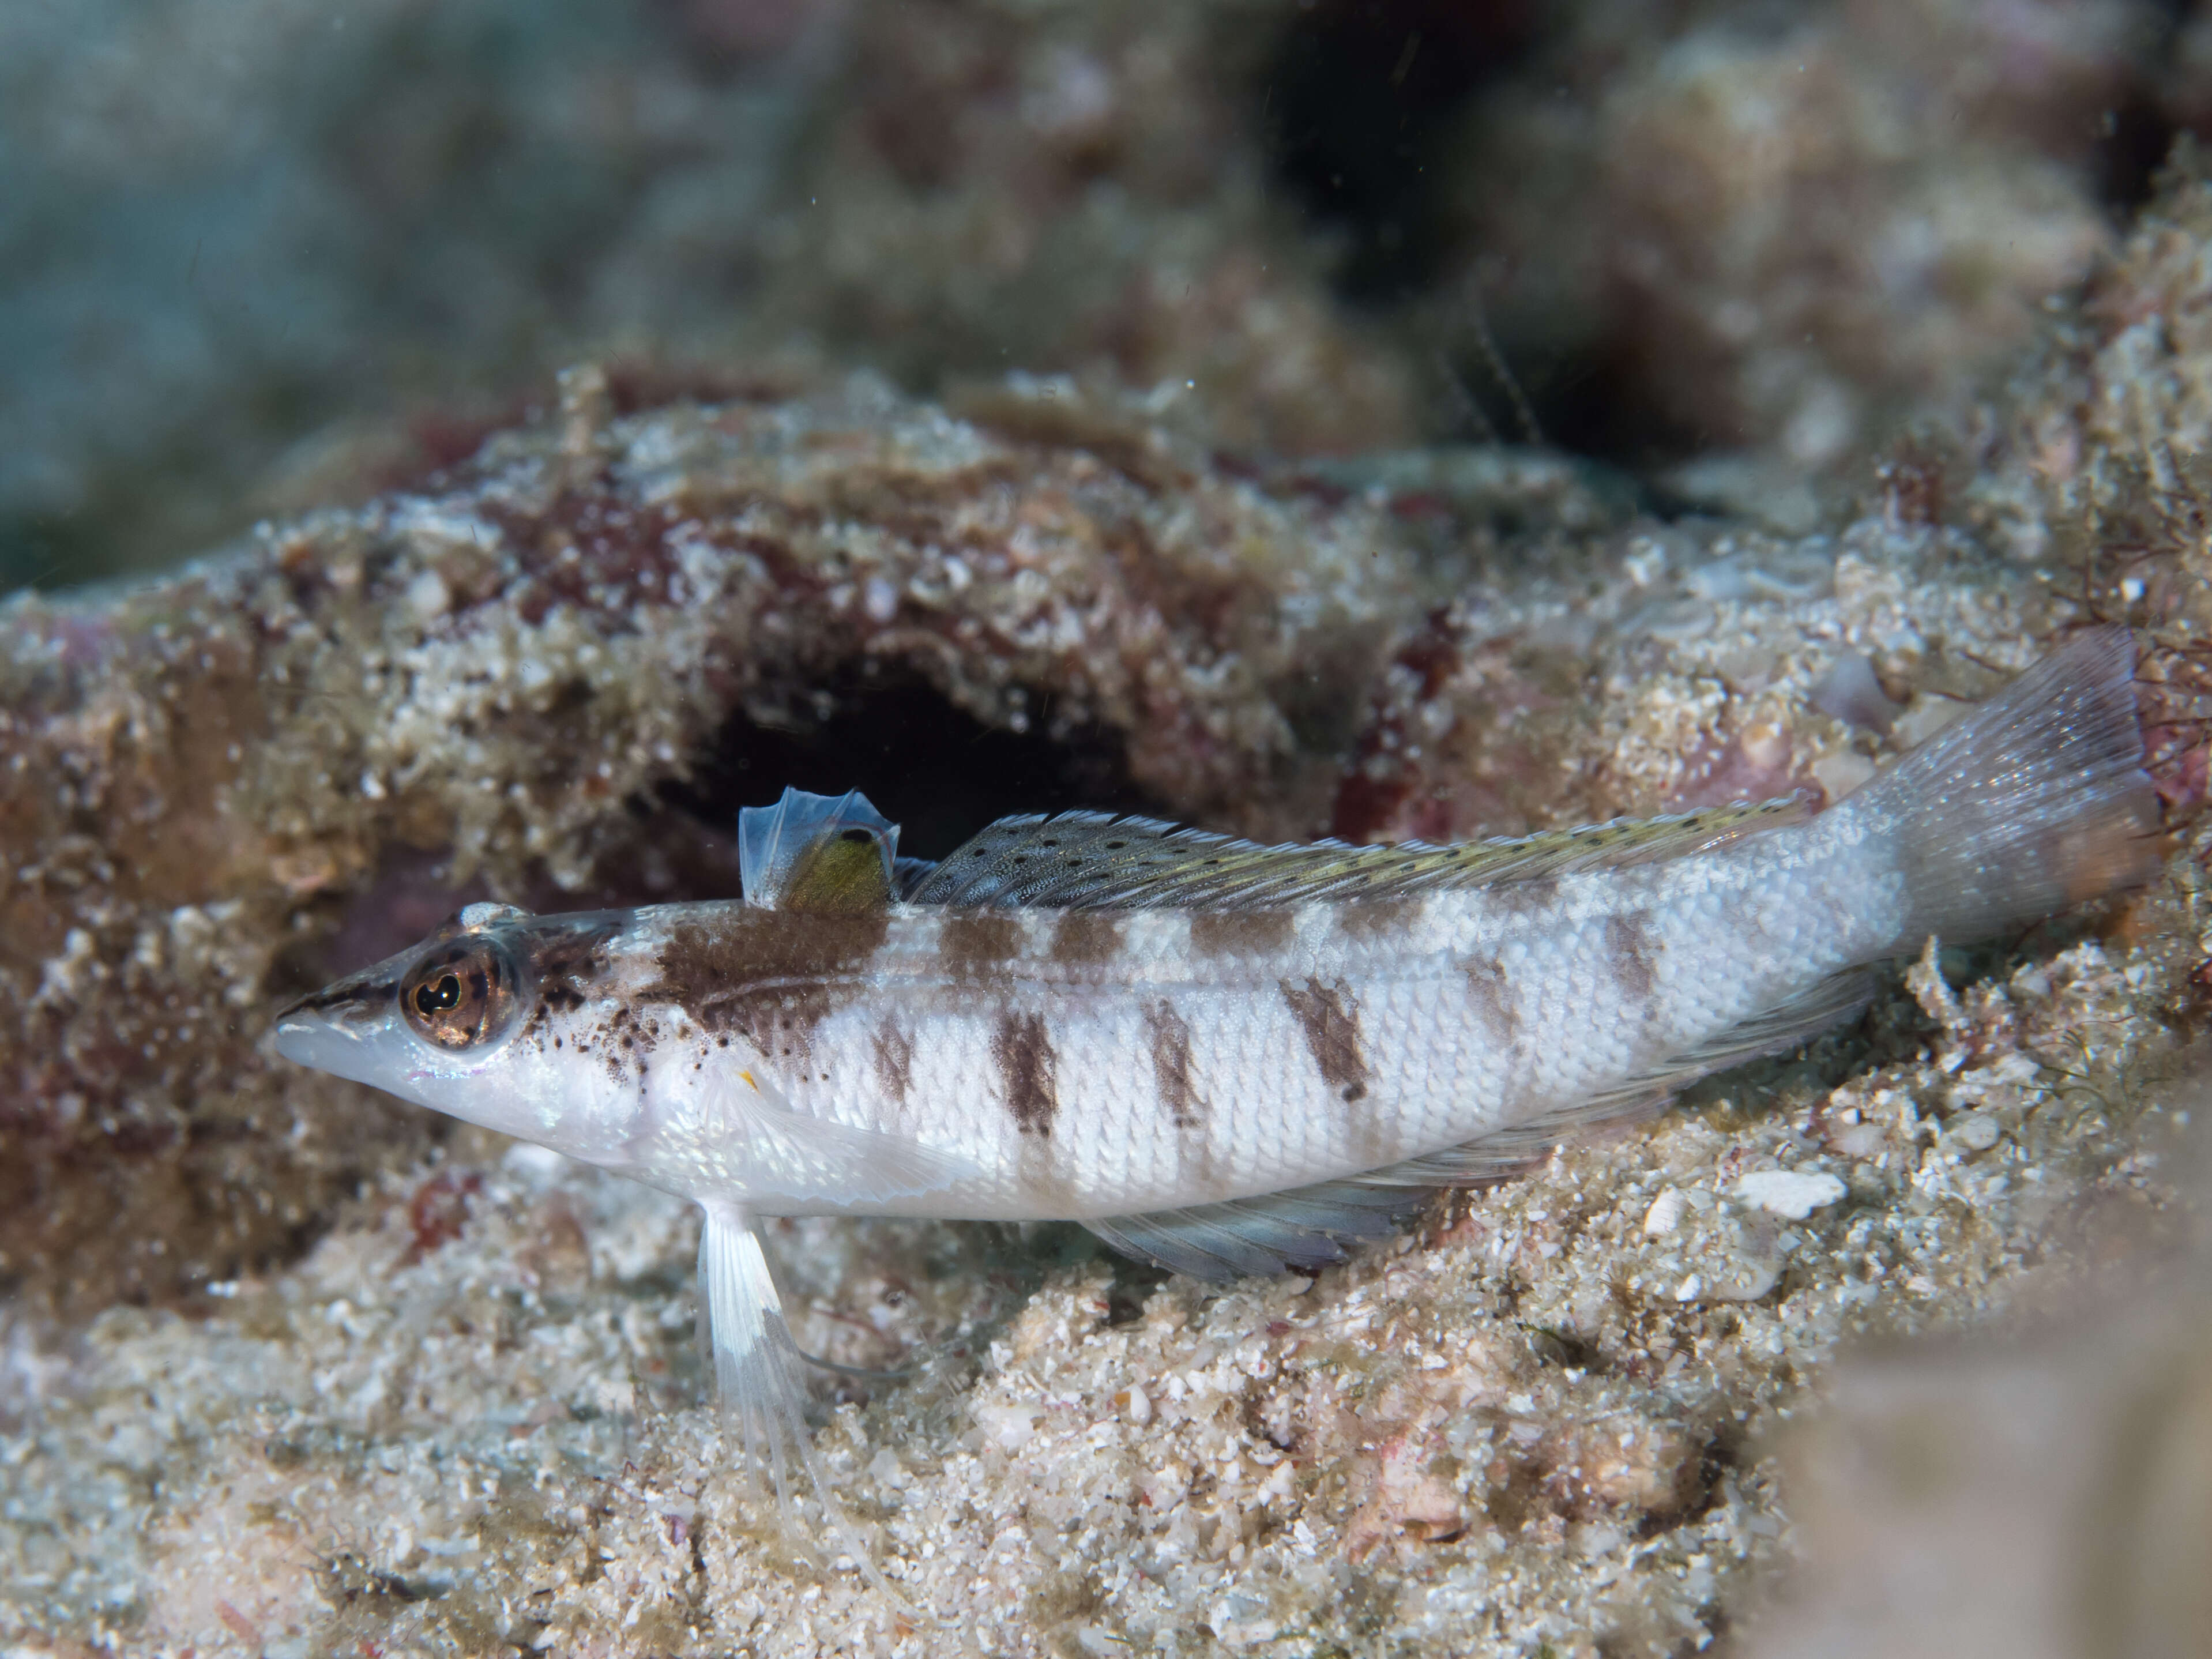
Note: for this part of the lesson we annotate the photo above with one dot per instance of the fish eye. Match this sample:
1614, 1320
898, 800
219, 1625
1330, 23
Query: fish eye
460, 997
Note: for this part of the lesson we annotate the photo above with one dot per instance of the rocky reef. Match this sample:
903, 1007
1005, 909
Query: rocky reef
286, 1368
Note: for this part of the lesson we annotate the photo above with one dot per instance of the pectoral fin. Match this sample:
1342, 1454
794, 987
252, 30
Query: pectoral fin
755, 1151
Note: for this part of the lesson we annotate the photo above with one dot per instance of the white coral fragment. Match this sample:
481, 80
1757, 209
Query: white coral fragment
1795, 1193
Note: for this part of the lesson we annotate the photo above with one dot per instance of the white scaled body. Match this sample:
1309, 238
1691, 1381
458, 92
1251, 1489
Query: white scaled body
1175, 1057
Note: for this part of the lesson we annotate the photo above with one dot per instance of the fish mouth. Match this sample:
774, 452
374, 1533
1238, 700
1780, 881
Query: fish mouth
334, 1030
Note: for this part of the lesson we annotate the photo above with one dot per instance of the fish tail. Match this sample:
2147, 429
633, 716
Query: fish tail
2033, 802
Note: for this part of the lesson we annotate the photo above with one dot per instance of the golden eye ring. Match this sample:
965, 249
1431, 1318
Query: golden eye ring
460, 996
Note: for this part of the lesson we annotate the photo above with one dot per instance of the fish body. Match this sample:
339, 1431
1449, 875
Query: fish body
1226, 1057
1081, 1063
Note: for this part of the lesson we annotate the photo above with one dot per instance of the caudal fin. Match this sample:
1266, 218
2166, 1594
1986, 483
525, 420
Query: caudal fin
2035, 801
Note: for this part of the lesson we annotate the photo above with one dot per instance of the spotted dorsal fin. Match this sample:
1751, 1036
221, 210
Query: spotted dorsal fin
831, 854
1080, 861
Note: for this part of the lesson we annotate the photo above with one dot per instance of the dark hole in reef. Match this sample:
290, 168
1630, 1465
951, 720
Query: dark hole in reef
937, 772
1602, 403
2136, 134
934, 770
2131, 146
1355, 102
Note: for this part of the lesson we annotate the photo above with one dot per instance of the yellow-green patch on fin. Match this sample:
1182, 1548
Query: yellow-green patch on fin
829, 854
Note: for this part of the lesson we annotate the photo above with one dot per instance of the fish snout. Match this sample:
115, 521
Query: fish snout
335, 1029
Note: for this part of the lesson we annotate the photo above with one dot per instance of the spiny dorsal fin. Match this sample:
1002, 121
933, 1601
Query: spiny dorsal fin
832, 854
1093, 860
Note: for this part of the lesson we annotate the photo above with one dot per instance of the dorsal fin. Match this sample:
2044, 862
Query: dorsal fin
1086, 860
833, 855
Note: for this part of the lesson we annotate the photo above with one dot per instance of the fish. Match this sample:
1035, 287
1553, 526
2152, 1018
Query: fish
1224, 1057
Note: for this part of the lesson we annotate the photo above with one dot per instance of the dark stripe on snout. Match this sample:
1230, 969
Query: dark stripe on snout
1330, 1020
1170, 1035
345, 993
1029, 1070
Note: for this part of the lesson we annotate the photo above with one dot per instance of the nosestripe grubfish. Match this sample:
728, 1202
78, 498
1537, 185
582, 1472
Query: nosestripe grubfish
1227, 1058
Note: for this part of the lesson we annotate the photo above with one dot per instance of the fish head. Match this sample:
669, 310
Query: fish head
438, 1025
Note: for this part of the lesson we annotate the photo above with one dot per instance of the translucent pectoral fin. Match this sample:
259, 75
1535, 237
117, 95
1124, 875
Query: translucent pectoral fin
756, 1377
773, 1157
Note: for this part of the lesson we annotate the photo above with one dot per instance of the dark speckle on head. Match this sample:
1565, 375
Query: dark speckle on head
1241, 932
769, 976
1631, 953
1029, 1070
1330, 1021
566, 960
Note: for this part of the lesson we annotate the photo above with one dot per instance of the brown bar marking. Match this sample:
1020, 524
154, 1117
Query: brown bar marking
1331, 1022
894, 1052
1523, 898
1365, 920
1029, 1068
1170, 1034
1633, 953
1490, 991
1241, 932
971, 943
1086, 936
770, 976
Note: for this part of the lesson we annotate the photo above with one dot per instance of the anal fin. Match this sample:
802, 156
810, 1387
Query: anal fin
1241, 1238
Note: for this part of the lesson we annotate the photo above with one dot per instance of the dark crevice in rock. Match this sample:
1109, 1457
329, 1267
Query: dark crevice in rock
2133, 143
935, 770
1602, 403
1358, 103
